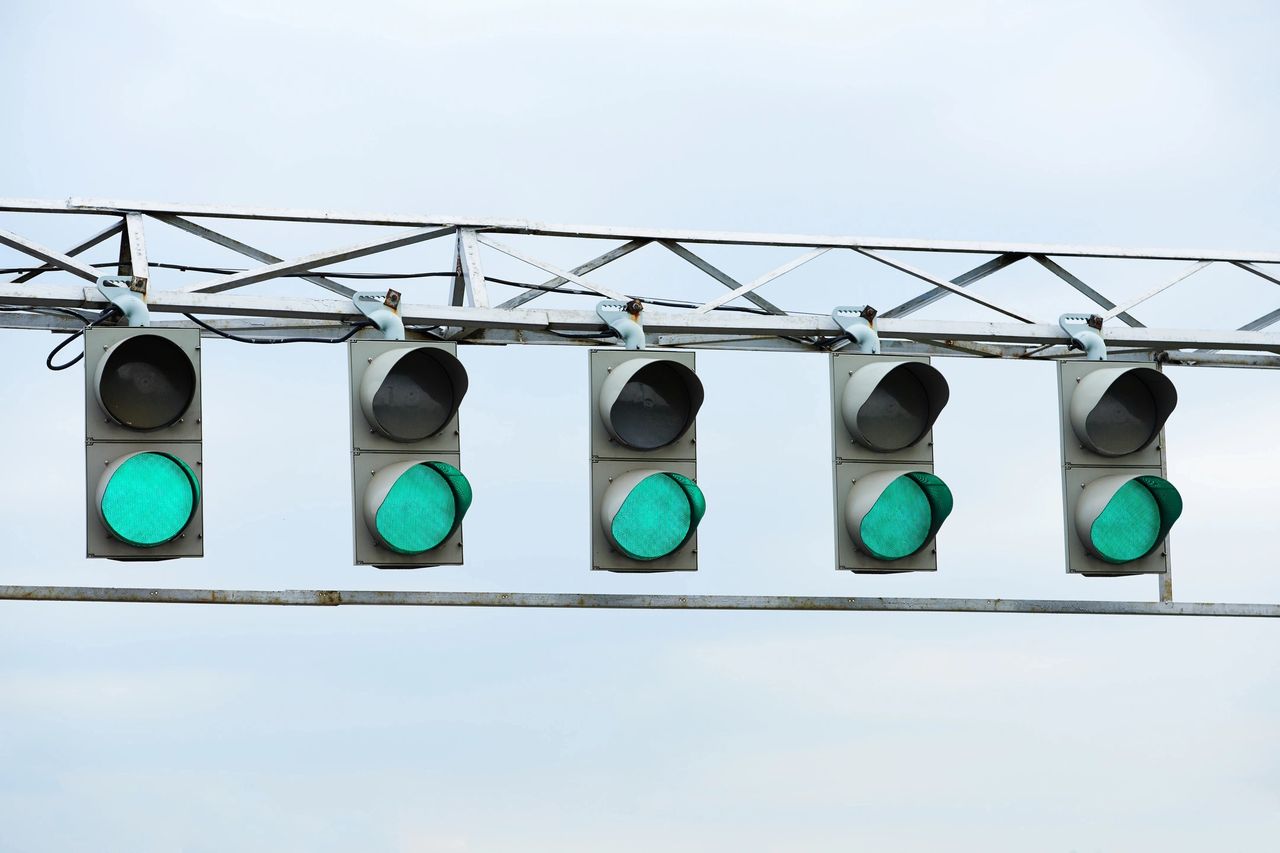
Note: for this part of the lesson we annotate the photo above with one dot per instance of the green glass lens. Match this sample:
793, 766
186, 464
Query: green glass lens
423, 507
1135, 520
906, 515
150, 499
658, 516
898, 523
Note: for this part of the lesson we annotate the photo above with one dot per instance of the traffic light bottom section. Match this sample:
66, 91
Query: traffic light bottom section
1123, 518
413, 507
892, 514
147, 499
648, 515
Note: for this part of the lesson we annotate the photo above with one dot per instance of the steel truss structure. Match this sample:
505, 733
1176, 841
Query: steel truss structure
471, 315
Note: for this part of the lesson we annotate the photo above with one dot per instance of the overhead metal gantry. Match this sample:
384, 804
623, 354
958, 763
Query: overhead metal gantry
738, 318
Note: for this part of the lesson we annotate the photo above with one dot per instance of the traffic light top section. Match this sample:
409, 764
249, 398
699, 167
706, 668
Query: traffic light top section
142, 381
409, 394
145, 382
890, 405
1118, 411
649, 403
405, 397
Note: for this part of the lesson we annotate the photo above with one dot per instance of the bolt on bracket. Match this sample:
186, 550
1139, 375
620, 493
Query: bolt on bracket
1085, 331
129, 294
623, 318
383, 309
858, 324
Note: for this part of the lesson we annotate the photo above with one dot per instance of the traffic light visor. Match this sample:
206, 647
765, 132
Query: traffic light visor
650, 514
891, 405
413, 507
145, 382
1122, 518
1119, 411
648, 403
412, 393
147, 499
893, 514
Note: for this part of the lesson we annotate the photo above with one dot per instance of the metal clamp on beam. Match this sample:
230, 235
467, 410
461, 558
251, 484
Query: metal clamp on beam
858, 324
1085, 331
129, 294
624, 318
383, 310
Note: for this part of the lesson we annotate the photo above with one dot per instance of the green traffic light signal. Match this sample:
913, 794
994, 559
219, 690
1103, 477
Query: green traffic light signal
651, 514
904, 516
1137, 514
413, 507
147, 499
1118, 507
645, 500
889, 503
143, 443
409, 495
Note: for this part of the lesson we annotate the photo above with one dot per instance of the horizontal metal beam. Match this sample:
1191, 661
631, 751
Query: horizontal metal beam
523, 226
420, 598
714, 323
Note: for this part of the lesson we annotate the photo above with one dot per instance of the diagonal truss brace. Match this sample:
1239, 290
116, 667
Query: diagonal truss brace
309, 262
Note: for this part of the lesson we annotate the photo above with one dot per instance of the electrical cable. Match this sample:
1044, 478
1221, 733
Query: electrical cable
241, 339
88, 324
383, 276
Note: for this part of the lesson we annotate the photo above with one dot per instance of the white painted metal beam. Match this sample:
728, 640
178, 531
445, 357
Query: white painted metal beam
523, 226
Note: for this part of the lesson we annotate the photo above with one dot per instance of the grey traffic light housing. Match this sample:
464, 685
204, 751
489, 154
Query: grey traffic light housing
1118, 506
409, 495
883, 410
644, 408
144, 478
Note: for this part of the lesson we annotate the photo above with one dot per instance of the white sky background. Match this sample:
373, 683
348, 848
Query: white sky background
186, 728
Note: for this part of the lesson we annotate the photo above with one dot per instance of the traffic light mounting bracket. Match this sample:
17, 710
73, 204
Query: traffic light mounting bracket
1085, 331
129, 295
624, 318
383, 310
858, 324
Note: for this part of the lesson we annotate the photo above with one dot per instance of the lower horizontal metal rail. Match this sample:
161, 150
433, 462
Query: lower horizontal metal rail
418, 598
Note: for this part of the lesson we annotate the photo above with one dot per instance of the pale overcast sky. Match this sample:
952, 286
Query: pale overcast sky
162, 728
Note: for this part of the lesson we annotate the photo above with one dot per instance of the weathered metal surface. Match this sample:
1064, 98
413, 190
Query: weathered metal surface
524, 226
419, 598
711, 323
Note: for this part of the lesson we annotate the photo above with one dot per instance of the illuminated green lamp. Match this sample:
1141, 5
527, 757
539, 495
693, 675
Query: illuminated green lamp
891, 515
147, 499
413, 507
648, 515
1121, 518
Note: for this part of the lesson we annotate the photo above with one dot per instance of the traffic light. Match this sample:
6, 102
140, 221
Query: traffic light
143, 443
889, 504
409, 492
1118, 506
645, 500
